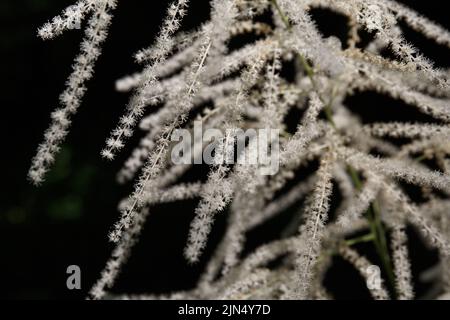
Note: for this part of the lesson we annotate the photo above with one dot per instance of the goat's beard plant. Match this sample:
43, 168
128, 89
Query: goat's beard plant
197, 72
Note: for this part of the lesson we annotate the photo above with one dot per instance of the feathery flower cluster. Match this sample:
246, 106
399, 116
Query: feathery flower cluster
197, 75
95, 34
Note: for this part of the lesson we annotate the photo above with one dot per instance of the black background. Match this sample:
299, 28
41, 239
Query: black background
65, 221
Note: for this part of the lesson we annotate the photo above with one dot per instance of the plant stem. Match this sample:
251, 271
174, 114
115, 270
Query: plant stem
281, 13
310, 73
308, 69
365, 238
377, 230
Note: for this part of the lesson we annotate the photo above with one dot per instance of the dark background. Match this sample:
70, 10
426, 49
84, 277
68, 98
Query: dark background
66, 220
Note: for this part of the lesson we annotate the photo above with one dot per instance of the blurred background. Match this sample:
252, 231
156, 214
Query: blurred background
66, 220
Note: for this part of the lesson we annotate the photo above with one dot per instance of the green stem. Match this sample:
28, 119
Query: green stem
281, 13
365, 238
309, 70
421, 158
377, 230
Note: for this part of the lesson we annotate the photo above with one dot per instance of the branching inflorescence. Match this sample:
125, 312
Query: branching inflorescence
198, 72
